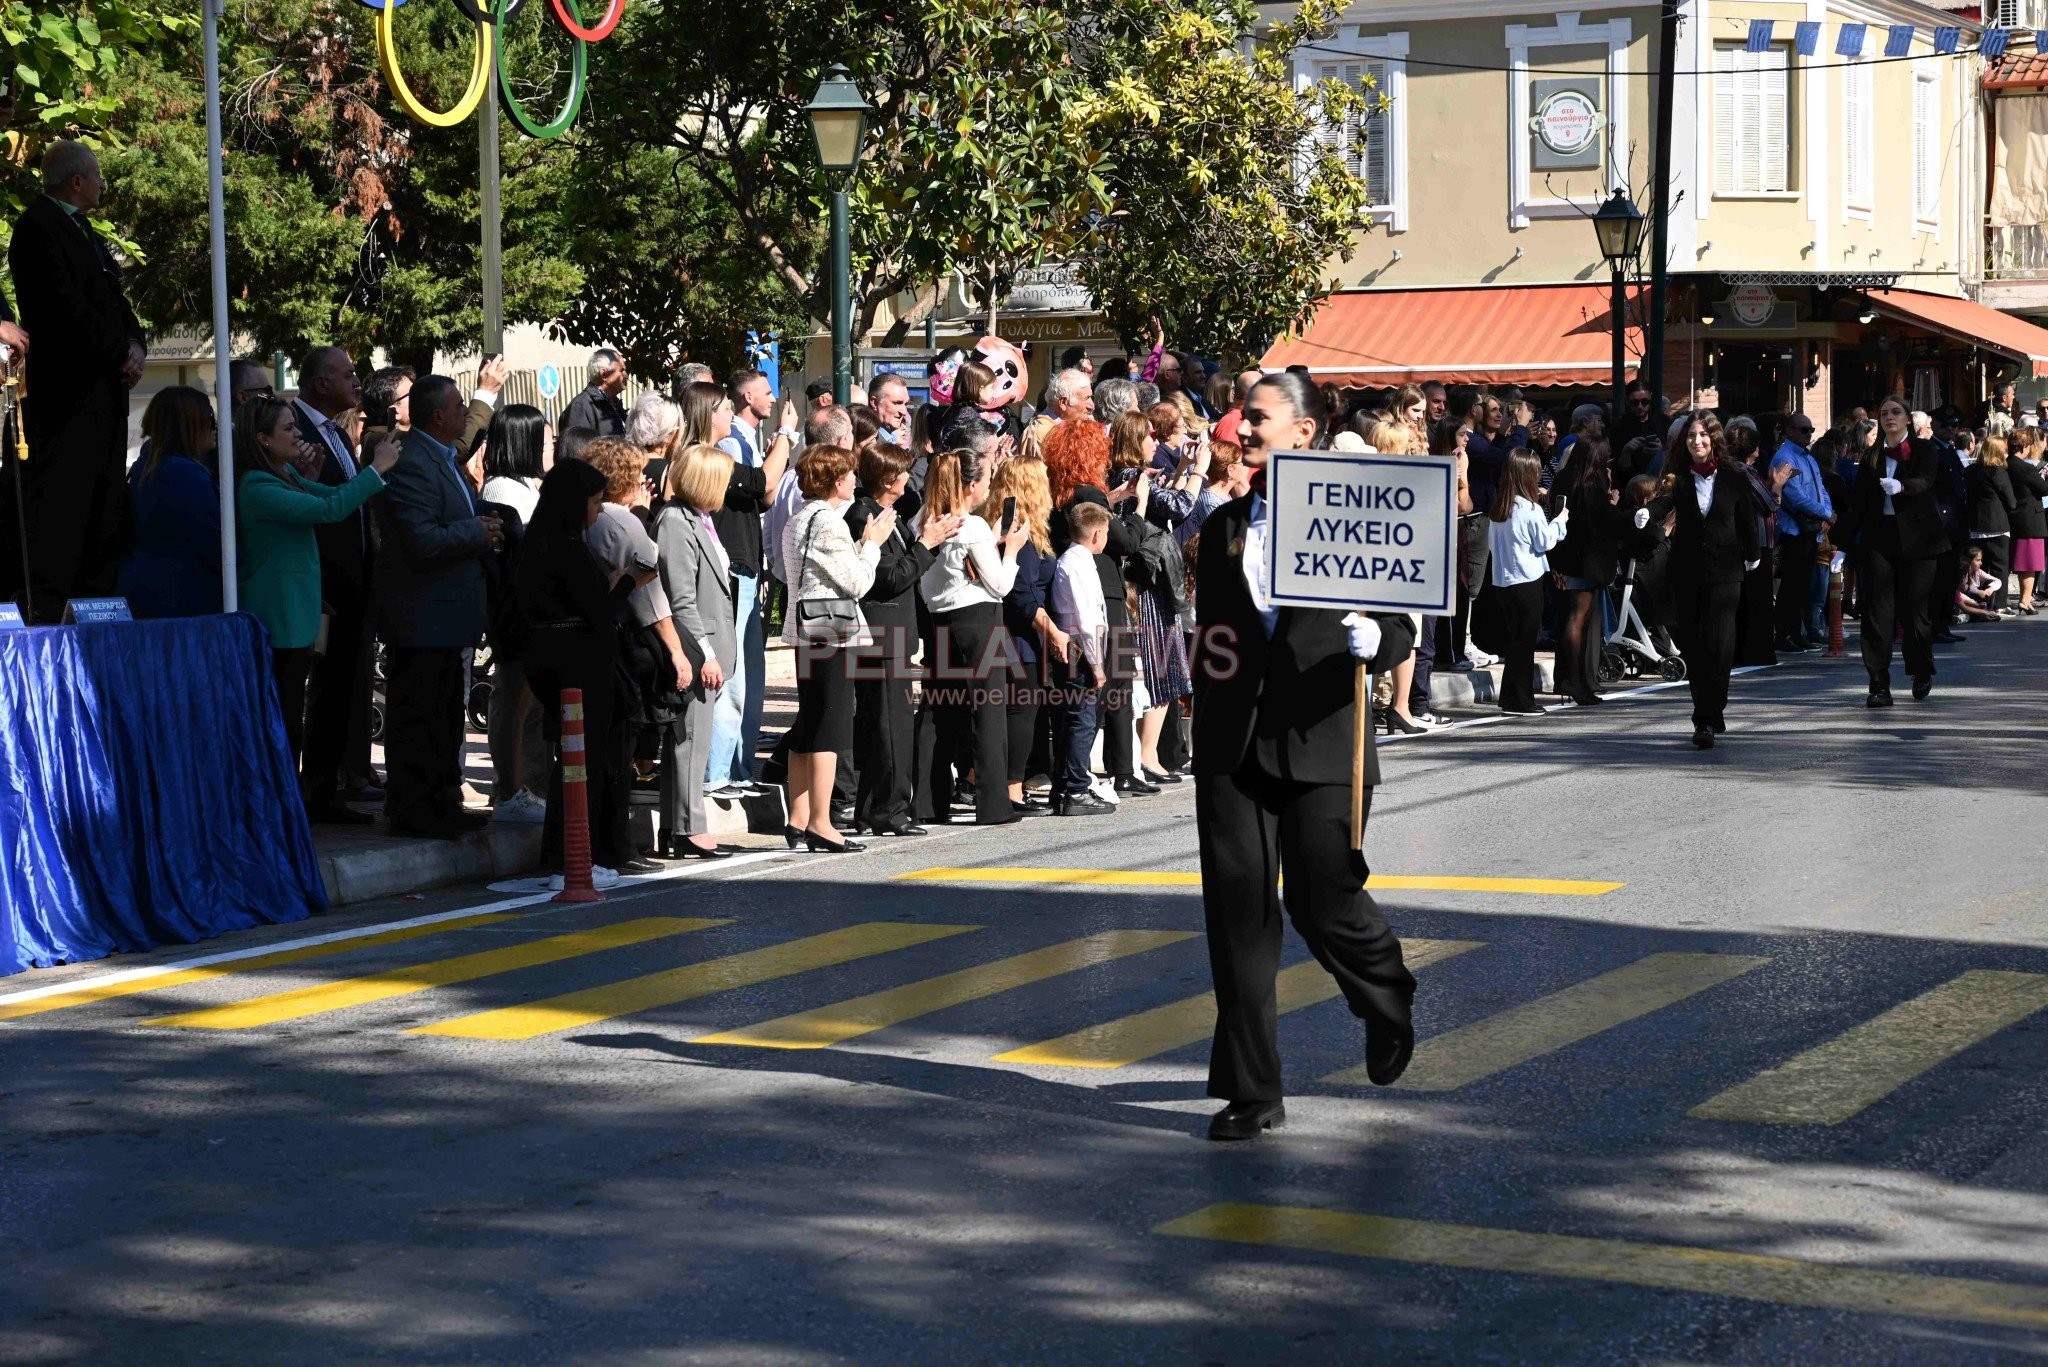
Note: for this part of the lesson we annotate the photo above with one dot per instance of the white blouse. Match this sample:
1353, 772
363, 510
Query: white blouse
948, 587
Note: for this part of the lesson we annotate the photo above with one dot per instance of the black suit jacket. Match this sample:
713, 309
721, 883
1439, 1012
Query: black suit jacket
1284, 703
1714, 548
1991, 499
2028, 489
1919, 522
73, 308
344, 545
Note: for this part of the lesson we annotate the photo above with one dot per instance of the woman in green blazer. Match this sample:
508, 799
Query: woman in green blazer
278, 559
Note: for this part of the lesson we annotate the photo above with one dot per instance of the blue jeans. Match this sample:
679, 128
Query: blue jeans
1817, 606
1082, 715
736, 716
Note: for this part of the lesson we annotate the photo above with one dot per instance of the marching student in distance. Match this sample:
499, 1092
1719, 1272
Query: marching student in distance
1078, 611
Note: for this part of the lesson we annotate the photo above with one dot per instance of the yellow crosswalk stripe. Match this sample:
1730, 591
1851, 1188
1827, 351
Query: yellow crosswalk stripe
1550, 1023
128, 987
1168, 878
841, 1021
1113, 1044
376, 987
673, 985
1667, 1267
1854, 1070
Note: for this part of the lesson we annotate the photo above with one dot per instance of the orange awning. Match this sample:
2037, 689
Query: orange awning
1520, 334
1968, 321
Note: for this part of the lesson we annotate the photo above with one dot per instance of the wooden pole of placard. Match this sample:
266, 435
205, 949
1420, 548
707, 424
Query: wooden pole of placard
1361, 736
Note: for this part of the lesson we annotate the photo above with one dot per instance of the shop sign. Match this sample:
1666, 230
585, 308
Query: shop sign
1752, 305
1568, 125
1051, 288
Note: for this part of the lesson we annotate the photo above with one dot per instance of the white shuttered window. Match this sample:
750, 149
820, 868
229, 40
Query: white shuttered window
1752, 121
1926, 151
1363, 139
1858, 120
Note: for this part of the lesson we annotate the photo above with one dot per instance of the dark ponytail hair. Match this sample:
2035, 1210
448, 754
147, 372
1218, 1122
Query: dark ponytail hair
1303, 398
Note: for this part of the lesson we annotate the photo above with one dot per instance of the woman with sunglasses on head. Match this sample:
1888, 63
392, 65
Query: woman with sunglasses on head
1892, 521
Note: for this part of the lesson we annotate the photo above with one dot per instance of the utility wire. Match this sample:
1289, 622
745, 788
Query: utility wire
1807, 65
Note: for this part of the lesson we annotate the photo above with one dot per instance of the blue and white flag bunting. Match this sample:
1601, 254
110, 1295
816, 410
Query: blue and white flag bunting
1760, 34
1849, 42
1899, 40
1945, 39
1806, 37
1993, 43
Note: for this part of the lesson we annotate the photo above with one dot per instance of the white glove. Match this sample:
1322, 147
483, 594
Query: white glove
1751, 564
1890, 486
1642, 518
1365, 635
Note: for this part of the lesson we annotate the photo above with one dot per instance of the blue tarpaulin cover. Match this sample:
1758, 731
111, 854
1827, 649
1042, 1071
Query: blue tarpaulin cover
146, 791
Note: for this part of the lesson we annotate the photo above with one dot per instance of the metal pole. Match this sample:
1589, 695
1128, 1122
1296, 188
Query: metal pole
1652, 372
1619, 307
842, 303
223, 342
487, 182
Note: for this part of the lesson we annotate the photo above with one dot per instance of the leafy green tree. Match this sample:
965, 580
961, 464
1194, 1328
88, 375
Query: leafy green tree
1230, 199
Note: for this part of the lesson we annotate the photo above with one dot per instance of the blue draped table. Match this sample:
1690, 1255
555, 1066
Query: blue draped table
146, 791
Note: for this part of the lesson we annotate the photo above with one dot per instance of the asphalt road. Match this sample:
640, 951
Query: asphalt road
1741, 1065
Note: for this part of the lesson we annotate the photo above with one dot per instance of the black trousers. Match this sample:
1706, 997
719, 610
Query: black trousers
74, 495
1435, 637
1251, 828
1795, 586
1703, 624
1942, 587
884, 743
1020, 716
1521, 613
339, 688
1895, 592
1997, 563
969, 715
289, 668
423, 735
556, 660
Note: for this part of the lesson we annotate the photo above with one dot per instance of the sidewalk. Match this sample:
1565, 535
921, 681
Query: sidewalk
363, 863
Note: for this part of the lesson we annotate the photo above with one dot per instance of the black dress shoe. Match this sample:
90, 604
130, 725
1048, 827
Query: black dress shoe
1081, 804
334, 814
1135, 786
1879, 697
1013, 816
1031, 808
843, 816
902, 828
1720, 728
818, 844
681, 847
1703, 737
1247, 1120
1923, 684
1945, 637
1387, 1051
639, 866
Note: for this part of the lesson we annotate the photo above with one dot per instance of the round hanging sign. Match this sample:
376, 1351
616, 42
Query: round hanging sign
1567, 122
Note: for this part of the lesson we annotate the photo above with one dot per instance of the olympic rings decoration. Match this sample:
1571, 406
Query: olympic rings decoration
579, 74
490, 18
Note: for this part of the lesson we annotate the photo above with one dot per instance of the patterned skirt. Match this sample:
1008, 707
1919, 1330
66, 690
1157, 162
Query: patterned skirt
1163, 648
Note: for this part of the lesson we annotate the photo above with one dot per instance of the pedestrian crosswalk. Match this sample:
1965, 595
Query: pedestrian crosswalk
1114, 999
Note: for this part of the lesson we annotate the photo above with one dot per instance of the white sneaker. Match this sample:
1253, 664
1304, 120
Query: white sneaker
1481, 660
1105, 790
521, 809
600, 878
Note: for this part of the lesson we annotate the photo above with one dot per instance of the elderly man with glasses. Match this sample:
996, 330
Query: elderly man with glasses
1804, 515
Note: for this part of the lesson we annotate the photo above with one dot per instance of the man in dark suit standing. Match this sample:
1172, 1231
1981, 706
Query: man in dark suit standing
1274, 727
88, 355
598, 407
430, 612
340, 686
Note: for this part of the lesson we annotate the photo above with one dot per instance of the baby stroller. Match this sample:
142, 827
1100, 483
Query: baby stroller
1632, 650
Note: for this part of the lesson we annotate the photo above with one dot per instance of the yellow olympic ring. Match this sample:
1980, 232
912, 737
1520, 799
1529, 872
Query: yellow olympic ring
479, 73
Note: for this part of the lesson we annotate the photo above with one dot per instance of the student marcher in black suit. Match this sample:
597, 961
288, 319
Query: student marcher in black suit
88, 354
1274, 727
1716, 536
1896, 529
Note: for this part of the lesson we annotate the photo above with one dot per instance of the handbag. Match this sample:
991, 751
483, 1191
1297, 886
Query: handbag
823, 621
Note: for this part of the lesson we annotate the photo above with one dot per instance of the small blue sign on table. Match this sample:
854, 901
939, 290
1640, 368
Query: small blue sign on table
81, 612
10, 617
550, 381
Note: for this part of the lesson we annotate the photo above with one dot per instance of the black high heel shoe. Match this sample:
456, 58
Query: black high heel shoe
794, 835
817, 844
1398, 725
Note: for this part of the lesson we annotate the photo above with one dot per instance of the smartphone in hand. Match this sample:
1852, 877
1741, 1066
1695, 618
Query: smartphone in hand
1009, 514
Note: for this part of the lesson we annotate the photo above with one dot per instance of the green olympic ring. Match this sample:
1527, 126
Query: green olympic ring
579, 72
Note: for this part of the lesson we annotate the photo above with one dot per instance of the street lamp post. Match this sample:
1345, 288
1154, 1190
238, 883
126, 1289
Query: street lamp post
839, 122
1619, 227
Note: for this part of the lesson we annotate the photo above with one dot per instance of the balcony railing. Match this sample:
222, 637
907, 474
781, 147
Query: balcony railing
2016, 253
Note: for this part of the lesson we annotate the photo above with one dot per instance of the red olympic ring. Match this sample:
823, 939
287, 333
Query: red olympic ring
598, 32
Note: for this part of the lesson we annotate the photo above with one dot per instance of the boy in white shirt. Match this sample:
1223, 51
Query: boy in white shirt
1078, 610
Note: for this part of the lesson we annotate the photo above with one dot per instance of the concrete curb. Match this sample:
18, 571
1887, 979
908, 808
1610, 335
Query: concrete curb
1477, 687
387, 867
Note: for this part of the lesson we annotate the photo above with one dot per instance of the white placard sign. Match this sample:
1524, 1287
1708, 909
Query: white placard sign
1376, 533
